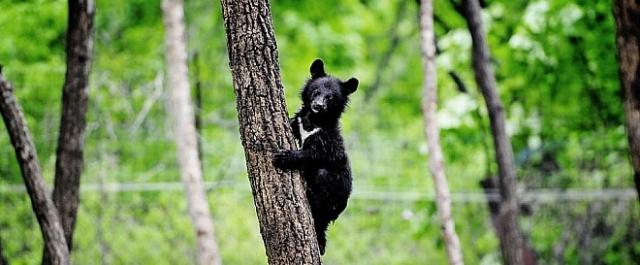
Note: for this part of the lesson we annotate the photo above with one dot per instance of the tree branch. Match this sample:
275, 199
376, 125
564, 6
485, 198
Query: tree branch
46, 212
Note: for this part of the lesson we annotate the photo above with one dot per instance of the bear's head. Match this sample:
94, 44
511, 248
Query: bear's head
326, 95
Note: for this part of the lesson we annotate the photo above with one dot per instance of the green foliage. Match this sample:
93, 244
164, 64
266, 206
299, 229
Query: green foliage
557, 75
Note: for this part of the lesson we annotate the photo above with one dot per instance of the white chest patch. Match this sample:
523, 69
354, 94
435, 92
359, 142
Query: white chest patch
304, 134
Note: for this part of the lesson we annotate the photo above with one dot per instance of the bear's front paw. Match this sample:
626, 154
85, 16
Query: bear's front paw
282, 159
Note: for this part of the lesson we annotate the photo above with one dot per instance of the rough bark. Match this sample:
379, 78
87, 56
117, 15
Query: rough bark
429, 111
509, 235
627, 14
69, 154
181, 108
281, 205
42, 205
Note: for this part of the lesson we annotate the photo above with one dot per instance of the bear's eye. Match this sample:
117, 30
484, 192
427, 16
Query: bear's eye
330, 97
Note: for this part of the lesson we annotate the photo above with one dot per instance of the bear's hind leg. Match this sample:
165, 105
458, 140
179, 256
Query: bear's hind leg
321, 233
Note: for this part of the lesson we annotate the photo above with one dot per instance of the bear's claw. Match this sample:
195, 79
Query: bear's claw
281, 159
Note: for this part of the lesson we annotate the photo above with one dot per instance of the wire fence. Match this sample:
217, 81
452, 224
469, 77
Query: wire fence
131, 223
408, 195
135, 212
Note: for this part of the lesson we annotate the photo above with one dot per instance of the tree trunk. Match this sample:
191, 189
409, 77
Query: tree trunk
281, 205
69, 159
429, 109
627, 13
3, 259
43, 206
510, 238
185, 134
198, 109
489, 186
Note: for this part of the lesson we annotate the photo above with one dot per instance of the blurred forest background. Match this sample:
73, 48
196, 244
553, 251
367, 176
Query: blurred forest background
557, 74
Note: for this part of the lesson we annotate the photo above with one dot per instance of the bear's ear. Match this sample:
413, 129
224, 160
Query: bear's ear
317, 69
350, 86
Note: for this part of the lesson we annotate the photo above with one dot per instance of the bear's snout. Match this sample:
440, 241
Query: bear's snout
318, 105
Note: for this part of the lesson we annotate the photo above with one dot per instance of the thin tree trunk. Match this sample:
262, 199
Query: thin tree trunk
510, 237
43, 206
3, 259
185, 134
198, 109
429, 110
281, 205
394, 42
69, 158
490, 187
627, 13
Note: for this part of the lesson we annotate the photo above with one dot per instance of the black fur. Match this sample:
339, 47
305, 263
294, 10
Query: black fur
322, 159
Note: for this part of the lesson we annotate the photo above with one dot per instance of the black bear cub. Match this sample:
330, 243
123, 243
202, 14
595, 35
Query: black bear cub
322, 159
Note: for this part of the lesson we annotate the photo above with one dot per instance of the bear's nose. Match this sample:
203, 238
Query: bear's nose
318, 105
